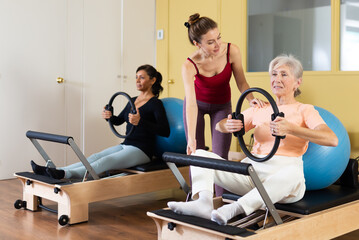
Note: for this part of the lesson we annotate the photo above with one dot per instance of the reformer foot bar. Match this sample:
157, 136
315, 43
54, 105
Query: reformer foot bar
321, 214
72, 197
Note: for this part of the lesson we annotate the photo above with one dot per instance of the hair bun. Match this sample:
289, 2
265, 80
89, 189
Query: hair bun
193, 18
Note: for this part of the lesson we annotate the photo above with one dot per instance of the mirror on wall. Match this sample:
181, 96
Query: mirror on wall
349, 35
301, 28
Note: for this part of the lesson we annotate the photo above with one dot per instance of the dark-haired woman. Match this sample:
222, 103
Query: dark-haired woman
206, 75
138, 148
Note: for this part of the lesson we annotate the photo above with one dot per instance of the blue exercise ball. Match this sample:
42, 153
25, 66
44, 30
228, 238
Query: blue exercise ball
324, 165
176, 142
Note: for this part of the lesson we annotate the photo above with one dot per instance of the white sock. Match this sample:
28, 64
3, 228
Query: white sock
202, 207
226, 212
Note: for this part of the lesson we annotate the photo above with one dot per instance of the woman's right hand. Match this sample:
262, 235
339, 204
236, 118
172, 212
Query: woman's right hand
232, 125
229, 125
106, 114
191, 146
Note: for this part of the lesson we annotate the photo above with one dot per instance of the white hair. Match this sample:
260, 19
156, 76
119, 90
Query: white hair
290, 61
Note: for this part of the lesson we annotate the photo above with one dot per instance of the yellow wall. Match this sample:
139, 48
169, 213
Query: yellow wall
333, 90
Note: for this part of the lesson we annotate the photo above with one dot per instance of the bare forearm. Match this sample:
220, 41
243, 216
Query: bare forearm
321, 135
220, 126
229, 125
191, 118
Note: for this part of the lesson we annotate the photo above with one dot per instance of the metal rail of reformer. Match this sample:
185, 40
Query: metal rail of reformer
34, 136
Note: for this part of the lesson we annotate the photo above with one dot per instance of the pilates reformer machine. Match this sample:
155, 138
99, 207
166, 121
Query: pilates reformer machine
73, 196
320, 214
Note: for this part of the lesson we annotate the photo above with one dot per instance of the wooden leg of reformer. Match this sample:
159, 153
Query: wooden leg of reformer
73, 204
31, 201
28, 196
77, 213
158, 223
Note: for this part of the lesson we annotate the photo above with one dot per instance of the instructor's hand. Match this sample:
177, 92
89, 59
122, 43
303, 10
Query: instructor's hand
256, 102
191, 146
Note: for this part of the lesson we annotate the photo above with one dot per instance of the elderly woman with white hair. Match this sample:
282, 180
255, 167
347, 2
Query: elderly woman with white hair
282, 175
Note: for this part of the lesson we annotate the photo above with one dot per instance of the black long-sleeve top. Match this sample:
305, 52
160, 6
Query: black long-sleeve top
153, 122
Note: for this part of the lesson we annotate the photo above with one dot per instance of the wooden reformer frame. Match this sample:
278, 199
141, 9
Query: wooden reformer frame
73, 198
340, 218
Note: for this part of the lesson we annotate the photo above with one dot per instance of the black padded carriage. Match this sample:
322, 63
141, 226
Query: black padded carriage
343, 191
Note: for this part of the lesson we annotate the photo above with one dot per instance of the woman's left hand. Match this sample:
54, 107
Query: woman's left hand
134, 119
280, 126
255, 102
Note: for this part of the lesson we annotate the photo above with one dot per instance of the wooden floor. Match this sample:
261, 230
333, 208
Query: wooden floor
123, 218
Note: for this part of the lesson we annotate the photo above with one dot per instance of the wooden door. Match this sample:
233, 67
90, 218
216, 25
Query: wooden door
32, 56
119, 36
84, 43
102, 69
139, 40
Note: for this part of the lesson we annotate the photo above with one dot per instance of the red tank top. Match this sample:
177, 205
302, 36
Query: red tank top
216, 89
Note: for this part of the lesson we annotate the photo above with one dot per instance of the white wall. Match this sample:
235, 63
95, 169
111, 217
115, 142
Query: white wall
81, 41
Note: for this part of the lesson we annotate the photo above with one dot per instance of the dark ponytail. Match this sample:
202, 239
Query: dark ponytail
152, 73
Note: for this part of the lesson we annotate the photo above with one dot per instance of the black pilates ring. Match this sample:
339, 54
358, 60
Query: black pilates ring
109, 107
239, 115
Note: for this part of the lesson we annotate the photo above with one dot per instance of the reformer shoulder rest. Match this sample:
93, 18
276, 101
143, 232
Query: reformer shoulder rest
154, 165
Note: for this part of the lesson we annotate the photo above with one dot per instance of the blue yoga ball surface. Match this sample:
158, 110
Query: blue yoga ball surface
176, 142
324, 165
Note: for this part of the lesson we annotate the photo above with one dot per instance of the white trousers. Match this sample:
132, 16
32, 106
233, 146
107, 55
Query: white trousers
282, 178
